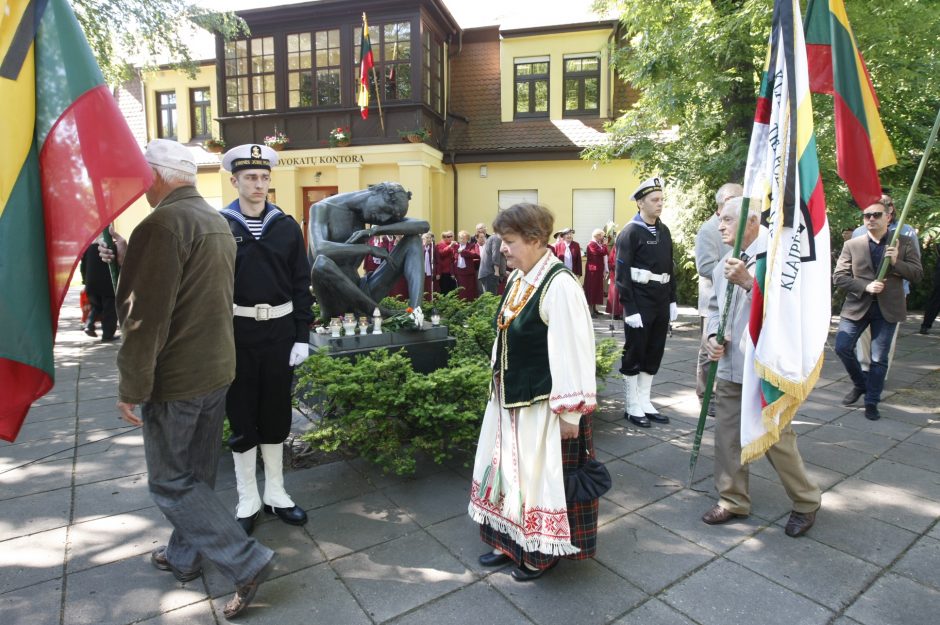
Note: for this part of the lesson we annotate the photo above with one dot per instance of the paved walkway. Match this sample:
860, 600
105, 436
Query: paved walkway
77, 523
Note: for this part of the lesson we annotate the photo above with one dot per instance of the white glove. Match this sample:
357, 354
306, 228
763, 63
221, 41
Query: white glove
673, 311
298, 353
634, 321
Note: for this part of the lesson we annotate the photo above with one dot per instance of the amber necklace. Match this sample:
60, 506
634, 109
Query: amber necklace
513, 304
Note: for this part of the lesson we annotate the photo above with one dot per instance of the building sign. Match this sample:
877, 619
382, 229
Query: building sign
344, 159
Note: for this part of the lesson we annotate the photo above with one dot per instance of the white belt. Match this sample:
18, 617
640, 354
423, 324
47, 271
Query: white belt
263, 312
642, 276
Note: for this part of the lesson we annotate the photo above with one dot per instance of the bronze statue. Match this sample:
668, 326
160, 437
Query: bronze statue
338, 242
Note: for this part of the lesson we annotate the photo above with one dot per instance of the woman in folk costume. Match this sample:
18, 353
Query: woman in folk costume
594, 271
568, 250
466, 266
614, 307
536, 422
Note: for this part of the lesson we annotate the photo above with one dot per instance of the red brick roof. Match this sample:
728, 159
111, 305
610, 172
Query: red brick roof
475, 94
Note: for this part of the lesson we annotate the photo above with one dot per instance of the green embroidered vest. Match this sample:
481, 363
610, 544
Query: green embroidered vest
522, 349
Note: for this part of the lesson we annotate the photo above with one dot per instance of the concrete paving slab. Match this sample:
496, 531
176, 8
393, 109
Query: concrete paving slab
582, 592
32, 605
922, 563
725, 592
110, 497
114, 538
125, 592
59, 428
478, 602
349, 526
647, 555
432, 499
915, 455
46, 412
851, 438
398, 576
669, 461
892, 505
461, 537
31, 514
653, 612
27, 479
633, 487
195, 614
864, 537
896, 600
31, 559
619, 438
914, 480
832, 456
830, 577
886, 426
928, 437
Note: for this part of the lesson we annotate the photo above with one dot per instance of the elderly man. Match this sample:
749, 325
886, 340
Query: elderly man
731, 477
272, 333
648, 294
177, 360
870, 303
709, 248
492, 270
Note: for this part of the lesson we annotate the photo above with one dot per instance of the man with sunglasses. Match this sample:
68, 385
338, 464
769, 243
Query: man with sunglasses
872, 303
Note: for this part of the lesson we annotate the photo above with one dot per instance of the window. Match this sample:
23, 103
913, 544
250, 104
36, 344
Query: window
166, 114
433, 71
531, 83
516, 196
313, 69
249, 75
582, 85
391, 49
200, 113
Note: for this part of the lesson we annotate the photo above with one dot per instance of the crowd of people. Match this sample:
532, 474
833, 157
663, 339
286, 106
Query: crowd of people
215, 309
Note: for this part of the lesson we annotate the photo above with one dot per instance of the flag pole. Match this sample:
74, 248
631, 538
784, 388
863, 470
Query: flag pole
719, 338
378, 99
910, 196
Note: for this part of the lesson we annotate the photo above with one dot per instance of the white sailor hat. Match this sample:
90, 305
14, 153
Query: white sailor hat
646, 187
249, 156
170, 154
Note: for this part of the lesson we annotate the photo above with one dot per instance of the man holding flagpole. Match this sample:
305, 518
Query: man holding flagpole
731, 476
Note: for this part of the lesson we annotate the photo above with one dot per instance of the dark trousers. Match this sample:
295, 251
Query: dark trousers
490, 283
882, 334
448, 283
102, 304
933, 302
644, 347
259, 400
182, 441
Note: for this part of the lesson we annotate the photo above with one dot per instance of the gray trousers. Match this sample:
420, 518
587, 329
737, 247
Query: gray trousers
731, 477
489, 283
182, 442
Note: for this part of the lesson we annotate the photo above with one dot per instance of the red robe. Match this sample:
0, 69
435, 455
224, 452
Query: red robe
575, 255
594, 273
431, 281
467, 276
614, 307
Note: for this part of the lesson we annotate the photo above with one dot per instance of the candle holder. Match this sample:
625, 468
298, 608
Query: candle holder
335, 326
376, 321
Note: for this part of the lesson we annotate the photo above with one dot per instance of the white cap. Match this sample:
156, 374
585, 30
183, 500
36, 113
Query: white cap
170, 154
249, 156
646, 187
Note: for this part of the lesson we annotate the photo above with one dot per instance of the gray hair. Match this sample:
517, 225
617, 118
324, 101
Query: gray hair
726, 191
174, 176
733, 208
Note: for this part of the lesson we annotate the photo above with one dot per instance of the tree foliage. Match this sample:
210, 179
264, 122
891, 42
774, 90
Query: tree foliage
123, 33
696, 65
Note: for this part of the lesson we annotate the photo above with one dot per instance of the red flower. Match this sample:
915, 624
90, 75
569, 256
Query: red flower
409, 310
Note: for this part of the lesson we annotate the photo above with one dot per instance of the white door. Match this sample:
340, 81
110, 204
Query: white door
592, 208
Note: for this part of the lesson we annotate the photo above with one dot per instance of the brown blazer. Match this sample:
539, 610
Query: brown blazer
854, 271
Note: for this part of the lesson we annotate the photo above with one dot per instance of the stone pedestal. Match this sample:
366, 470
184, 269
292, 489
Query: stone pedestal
427, 348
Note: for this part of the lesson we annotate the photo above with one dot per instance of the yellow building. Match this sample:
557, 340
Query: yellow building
509, 111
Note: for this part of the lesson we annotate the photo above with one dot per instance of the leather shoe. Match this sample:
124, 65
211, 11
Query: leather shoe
657, 418
90, 331
159, 561
494, 559
244, 594
719, 515
871, 412
852, 396
292, 516
799, 523
248, 522
523, 573
641, 421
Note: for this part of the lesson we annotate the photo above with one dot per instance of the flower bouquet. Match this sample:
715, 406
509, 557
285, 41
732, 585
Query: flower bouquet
339, 137
411, 319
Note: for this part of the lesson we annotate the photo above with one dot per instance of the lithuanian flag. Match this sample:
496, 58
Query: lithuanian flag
69, 166
366, 62
837, 67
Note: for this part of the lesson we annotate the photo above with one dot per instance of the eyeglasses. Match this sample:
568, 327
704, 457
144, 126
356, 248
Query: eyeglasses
875, 215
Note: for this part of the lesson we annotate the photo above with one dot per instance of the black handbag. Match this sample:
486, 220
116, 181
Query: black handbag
587, 482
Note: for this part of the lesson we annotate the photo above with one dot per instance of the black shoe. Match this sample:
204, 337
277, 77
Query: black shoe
656, 417
924, 330
248, 522
158, 560
523, 573
852, 396
871, 412
90, 331
291, 516
494, 559
108, 339
640, 422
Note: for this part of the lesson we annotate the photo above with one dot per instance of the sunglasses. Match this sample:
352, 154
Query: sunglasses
875, 215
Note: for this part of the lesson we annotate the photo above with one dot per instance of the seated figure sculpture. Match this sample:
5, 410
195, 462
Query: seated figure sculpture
337, 241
